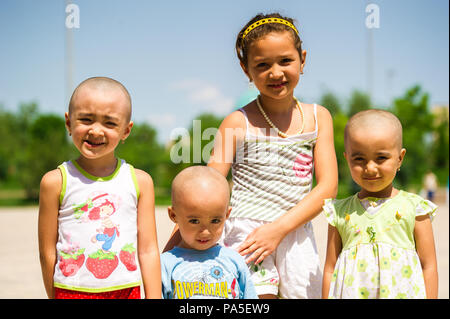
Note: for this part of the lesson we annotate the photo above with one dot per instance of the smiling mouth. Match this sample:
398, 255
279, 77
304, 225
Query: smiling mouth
203, 241
278, 85
93, 144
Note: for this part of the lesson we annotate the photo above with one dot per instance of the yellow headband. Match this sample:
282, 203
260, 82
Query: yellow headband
268, 20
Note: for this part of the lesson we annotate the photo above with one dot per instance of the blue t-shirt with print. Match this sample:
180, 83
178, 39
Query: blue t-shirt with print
214, 273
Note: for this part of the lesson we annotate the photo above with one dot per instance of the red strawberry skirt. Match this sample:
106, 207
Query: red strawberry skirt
127, 293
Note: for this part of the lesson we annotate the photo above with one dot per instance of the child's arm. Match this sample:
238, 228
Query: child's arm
334, 247
174, 239
423, 234
50, 189
265, 239
230, 133
148, 251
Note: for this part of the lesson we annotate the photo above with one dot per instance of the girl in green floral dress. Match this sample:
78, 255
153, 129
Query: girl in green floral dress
380, 240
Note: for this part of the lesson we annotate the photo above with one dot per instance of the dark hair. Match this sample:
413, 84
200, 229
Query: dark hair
242, 45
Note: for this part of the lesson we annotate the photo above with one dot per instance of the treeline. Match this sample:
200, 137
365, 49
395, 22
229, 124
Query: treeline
33, 143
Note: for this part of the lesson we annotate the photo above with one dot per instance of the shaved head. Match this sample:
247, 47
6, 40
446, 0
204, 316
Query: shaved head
374, 120
199, 185
103, 84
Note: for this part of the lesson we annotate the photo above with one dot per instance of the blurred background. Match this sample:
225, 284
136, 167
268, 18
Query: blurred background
178, 61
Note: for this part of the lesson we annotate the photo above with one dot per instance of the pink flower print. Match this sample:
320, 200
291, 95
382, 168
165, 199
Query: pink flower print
303, 165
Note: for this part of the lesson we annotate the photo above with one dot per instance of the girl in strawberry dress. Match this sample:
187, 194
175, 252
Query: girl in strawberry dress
84, 202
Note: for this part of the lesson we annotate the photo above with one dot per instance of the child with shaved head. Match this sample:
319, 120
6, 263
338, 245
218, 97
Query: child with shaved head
198, 267
380, 240
97, 232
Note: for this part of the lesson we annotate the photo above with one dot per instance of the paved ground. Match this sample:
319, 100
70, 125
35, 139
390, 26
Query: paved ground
20, 274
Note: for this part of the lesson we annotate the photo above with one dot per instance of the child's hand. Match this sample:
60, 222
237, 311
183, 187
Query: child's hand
261, 242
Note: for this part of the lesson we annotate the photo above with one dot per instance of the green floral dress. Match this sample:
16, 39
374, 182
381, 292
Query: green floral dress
378, 257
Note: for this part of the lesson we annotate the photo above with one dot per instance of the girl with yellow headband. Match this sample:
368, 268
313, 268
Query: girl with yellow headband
278, 144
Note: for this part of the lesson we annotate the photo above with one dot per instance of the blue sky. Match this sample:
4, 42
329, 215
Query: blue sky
177, 58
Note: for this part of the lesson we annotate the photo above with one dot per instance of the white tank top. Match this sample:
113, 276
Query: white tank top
97, 230
271, 174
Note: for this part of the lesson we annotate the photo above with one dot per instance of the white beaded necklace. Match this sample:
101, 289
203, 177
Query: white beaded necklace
282, 134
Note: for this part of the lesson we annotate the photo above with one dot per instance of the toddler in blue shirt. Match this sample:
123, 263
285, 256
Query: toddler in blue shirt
198, 267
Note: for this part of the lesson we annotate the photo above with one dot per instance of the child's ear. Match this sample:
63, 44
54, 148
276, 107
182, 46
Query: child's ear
67, 121
127, 130
303, 57
245, 71
172, 214
401, 157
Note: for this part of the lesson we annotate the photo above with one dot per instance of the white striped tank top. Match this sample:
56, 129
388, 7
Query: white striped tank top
271, 174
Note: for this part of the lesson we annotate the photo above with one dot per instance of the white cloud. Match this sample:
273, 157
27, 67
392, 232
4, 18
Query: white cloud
160, 120
207, 97
205, 94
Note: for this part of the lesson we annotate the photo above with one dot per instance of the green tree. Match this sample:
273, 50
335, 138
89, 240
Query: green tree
46, 147
194, 148
142, 150
7, 146
440, 147
331, 102
346, 185
202, 140
413, 112
14, 132
359, 101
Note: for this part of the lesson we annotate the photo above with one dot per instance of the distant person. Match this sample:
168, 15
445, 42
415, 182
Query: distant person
380, 240
199, 268
278, 143
430, 184
97, 233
